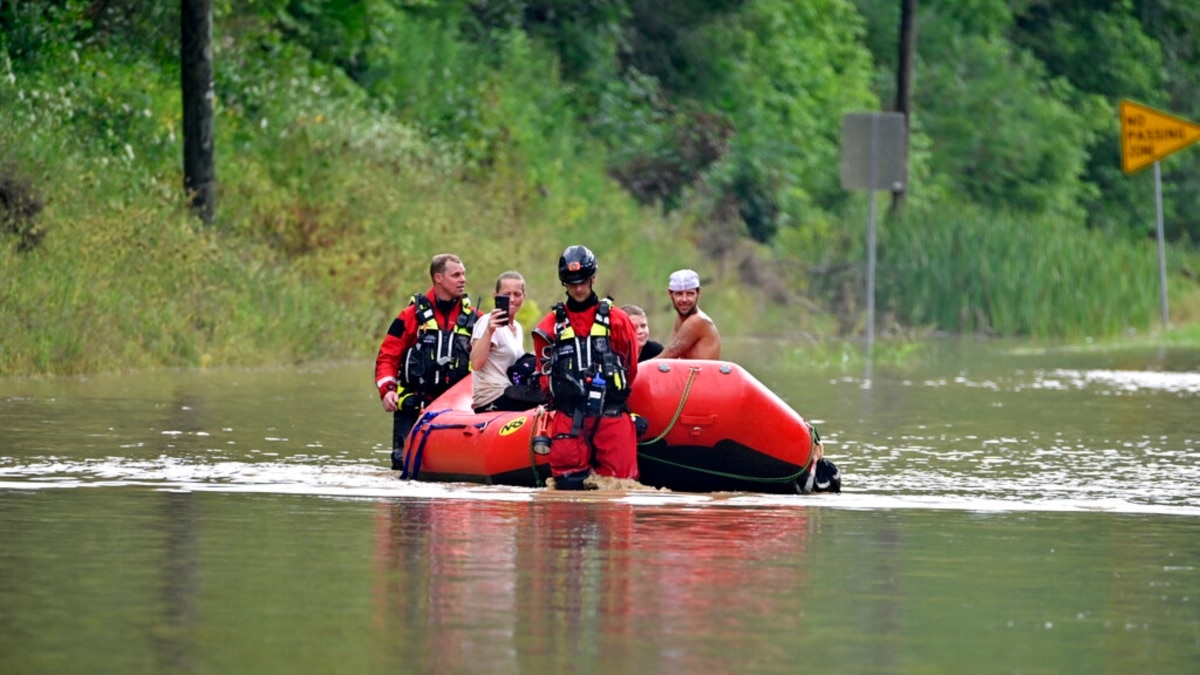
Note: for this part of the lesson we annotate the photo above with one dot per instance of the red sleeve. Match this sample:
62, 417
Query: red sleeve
624, 339
400, 336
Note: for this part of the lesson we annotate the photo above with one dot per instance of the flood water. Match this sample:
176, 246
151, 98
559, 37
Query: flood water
1006, 509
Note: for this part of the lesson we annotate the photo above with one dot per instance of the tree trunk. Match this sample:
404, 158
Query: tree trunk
199, 174
908, 45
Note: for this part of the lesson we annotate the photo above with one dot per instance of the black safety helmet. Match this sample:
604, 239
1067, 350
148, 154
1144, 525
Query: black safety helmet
577, 264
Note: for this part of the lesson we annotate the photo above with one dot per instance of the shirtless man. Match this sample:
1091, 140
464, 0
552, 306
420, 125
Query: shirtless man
695, 335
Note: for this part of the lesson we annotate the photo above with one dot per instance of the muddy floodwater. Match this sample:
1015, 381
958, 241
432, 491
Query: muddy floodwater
1006, 508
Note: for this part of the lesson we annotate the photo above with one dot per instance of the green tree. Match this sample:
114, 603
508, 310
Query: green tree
1064, 36
1003, 132
1175, 24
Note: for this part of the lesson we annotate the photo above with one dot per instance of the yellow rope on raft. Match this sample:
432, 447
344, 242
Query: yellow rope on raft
679, 410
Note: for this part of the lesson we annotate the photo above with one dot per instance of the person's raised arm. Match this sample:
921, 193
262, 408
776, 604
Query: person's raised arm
481, 342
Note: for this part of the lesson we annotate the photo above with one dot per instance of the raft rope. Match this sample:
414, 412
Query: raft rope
425, 425
712, 472
687, 388
671, 425
723, 474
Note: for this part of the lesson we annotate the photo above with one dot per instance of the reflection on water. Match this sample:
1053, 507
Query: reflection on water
144, 580
1037, 507
555, 584
180, 583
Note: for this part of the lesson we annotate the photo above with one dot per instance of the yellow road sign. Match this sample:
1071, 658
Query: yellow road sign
1148, 135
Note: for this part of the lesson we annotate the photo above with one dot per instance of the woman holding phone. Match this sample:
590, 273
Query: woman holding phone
497, 342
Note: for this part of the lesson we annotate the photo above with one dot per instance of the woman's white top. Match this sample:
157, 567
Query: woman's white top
508, 344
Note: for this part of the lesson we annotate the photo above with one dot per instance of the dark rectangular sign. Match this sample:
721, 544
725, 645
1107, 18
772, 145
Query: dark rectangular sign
878, 139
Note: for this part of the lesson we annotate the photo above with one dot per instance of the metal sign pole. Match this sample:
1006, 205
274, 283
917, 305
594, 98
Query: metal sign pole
873, 171
873, 158
1162, 247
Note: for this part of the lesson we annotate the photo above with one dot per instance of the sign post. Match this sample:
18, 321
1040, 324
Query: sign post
1148, 135
873, 158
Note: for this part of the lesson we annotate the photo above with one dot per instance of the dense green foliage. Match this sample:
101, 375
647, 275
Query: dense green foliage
356, 139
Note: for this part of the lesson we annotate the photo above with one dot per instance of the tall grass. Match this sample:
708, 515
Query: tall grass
328, 212
966, 270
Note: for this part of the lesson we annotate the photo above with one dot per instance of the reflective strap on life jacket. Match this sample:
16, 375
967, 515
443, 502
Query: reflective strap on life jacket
601, 327
575, 359
447, 352
427, 320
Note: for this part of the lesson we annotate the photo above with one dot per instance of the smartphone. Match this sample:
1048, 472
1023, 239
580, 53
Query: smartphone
502, 303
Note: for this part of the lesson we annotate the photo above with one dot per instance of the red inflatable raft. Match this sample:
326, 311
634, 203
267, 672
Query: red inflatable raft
712, 427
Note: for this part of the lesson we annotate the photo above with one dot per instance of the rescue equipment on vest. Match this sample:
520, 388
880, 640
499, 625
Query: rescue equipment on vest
585, 373
584, 370
440, 357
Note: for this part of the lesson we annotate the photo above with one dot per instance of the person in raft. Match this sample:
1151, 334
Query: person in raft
647, 348
498, 341
695, 335
427, 349
589, 352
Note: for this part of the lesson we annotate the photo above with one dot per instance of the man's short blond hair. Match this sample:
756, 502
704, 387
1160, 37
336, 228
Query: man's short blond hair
440, 261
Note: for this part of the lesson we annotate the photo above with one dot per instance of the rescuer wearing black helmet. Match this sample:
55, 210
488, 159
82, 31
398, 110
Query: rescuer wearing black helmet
576, 265
589, 353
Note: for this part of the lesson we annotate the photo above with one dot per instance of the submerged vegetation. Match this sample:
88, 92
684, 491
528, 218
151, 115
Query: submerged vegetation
355, 140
